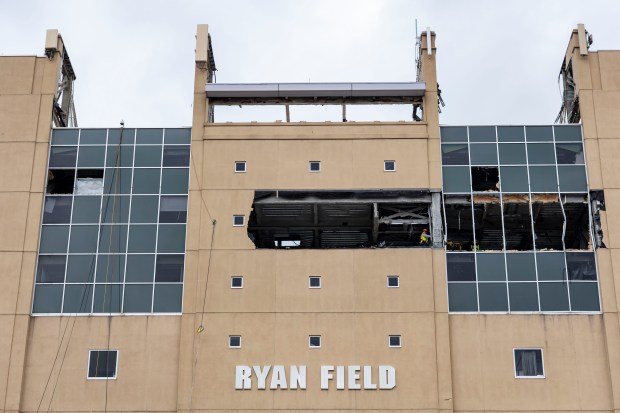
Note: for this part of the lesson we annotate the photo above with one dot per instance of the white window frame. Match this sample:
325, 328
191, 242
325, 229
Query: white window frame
245, 167
310, 344
310, 166
234, 277
514, 362
310, 281
385, 165
230, 338
102, 378
242, 218
400, 341
387, 280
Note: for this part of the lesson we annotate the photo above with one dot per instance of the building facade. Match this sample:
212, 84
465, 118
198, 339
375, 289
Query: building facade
305, 266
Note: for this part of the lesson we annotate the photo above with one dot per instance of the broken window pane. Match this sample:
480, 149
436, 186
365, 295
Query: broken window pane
144, 208
482, 134
584, 296
110, 268
521, 266
57, 210
119, 156
86, 209
541, 153
47, 298
491, 267
577, 222
60, 181
456, 179
51, 269
93, 136
453, 134
138, 298
517, 222
149, 136
462, 297
65, 136
108, 298
78, 298
140, 268
169, 268
572, 178
510, 134
148, 156
523, 296
543, 179
178, 136
63, 156
459, 223
483, 153
54, 239
454, 154
146, 181
514, 179
548, 222
551, 266
174, 181
493, 296
567, 133
461, 267
168, 298
89, 182
177, 155
484, 179
539, 133
512, 154
115, 136
173, 209
91, 157
569, 153
581, 266
81, 269
488, 223
553, 296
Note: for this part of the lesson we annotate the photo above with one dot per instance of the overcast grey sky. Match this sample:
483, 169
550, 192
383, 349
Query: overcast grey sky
498, 61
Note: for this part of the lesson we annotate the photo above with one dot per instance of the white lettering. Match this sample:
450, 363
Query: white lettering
368, 384
354, 376
298, 377
326, 376
340, 377
261, 376
387, 377
278, 378
242, 377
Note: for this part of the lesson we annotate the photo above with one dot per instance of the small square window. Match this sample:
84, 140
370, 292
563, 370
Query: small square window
393, 281
236, 282
234, 341
389, 166
528, 363
314, 341
315, 166
238, 220
314, 282
102, 364
394, 341
240, 166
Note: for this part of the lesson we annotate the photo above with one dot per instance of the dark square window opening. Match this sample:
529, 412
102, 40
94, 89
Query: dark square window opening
234, 341
393, 281
238, 220
389, 166
394, 341
314, 341
528, 363
60, 181
314, 282
236, 282
102, 364
484, 179
315, 166
240, 166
